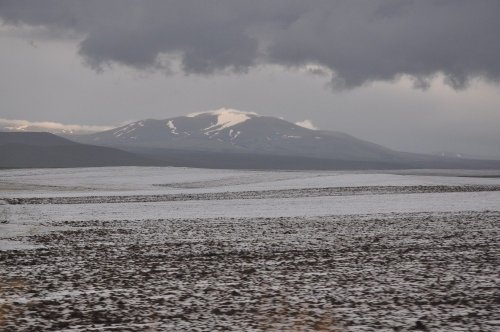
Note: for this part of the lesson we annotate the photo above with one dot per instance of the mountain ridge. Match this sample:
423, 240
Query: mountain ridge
232, 131
227, 138
45, 150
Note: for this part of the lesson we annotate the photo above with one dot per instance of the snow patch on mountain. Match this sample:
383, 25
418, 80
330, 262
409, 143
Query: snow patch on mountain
307, 124
226, 117
126, 130
234, 134
170, 124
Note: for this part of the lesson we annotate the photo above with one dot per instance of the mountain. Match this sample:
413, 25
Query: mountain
223, 138
232, 131
228, 138
34, 149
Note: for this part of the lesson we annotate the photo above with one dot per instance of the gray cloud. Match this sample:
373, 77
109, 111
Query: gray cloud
359, 41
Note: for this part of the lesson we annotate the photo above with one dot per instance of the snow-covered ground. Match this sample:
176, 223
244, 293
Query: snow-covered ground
184, 248
130, 181
158, 180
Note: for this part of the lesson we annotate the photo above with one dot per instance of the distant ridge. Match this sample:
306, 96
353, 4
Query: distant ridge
35, 149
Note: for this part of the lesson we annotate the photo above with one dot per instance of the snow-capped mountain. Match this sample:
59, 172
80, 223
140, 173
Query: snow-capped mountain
223, 138
229, 130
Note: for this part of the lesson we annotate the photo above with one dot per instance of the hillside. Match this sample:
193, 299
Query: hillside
30, 150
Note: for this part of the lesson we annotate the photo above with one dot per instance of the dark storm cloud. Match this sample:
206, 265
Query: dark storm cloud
359, 41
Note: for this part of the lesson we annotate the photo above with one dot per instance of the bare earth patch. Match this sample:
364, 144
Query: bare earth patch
411, 271
256, 194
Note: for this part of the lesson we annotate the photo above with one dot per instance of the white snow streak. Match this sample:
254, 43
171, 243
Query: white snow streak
226, 117
170, 124
306, 124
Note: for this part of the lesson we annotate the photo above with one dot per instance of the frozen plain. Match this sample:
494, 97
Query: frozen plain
204, 249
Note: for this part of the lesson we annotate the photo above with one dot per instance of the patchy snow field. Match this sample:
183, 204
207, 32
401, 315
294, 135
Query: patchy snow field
171, 249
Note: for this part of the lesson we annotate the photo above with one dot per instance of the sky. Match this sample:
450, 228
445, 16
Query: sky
418, 76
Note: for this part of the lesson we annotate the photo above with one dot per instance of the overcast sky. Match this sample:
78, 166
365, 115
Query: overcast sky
420, 76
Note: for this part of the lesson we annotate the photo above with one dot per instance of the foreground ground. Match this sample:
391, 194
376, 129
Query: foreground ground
290, 270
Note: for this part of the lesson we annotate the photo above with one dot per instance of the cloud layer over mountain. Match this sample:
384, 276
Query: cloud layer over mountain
356, 41
48, 126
